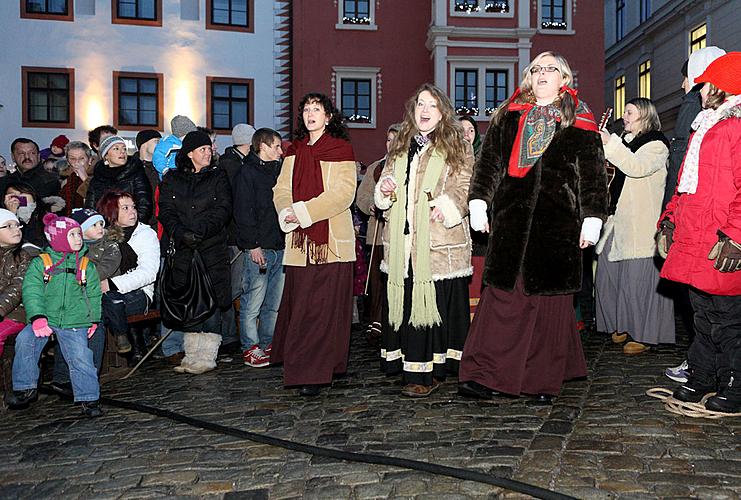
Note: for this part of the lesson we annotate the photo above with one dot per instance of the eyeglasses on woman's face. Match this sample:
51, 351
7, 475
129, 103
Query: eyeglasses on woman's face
12, 226
548, 69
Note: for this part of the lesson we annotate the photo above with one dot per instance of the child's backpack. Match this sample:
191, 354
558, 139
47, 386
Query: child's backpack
48, 264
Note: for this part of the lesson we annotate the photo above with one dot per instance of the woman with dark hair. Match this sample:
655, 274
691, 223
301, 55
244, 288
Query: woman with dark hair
21, 199
427, 244
471, 133
195, 206
313, 195
629, 306
540, 191
132, 290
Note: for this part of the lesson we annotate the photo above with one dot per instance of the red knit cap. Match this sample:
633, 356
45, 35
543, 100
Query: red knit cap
60, 141
724, 73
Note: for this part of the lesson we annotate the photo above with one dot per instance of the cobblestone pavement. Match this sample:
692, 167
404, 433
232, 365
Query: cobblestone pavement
603, 438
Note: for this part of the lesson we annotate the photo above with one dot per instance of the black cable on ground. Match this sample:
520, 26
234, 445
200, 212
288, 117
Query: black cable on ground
442, 470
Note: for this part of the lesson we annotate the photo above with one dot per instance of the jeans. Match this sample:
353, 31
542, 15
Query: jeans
74, 346
261, 294
96, 343
118, 306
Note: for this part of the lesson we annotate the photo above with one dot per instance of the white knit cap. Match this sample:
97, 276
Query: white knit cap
7, 216
700, 60
108, 143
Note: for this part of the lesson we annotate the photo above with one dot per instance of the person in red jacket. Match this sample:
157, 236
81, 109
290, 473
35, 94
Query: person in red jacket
700, 235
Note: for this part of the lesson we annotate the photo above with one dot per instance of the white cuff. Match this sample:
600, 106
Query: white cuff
382, 202
452, 216
302, 214
590, 229
286, 227
479, 217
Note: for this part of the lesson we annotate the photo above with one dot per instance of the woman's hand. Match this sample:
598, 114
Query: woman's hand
12, 203
388, 186
291, 217
437, 215
584, 243
605, 135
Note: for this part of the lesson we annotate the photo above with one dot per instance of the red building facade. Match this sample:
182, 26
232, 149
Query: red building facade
371, 55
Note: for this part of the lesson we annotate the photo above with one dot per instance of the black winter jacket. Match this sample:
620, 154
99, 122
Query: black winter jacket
688, 110
45, 183
254, 212
130, 178
232, 162
200, 203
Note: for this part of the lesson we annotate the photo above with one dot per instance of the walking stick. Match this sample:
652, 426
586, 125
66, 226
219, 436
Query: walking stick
162, 339
373, 249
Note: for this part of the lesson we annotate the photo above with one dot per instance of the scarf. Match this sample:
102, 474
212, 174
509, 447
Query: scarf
424, 311
536, 129
308, 183
704, 121
129, 258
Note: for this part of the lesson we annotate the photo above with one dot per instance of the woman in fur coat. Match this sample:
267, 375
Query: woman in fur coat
540, 191
427, 246
629, 304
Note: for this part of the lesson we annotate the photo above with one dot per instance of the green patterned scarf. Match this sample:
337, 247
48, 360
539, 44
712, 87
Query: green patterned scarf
424, 311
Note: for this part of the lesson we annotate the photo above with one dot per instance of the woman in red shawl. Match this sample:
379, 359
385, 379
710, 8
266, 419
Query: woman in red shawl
313, 195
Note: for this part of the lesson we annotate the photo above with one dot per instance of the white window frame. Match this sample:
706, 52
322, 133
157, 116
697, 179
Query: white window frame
454, 13
568, 6
481, 65
354, 73
368, 27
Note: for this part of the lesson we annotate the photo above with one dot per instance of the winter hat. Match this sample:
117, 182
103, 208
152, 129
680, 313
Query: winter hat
108, 143
60, 141
86, 218
145, 136
699, 61
242, 134
724, 73
56, 229
7, 216
194, 140
182, 125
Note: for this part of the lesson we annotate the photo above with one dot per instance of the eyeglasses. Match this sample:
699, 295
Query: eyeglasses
547, 69
12, 225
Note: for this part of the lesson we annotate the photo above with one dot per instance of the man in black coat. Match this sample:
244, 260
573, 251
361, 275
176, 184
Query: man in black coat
29, 169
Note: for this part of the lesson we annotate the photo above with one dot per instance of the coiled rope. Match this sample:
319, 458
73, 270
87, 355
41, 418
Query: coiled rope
694, 410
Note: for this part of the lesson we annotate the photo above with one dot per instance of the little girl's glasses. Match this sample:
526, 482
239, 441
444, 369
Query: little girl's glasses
12, 225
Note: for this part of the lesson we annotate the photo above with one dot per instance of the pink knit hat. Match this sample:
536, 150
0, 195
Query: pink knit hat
56, 230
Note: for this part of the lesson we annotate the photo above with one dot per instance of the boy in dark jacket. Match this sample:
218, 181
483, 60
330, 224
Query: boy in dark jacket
61, 293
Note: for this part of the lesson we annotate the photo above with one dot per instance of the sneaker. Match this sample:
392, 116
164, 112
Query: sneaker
269, 349
256, 357
20, 400
679, 373
91, 409
694, 390
728, 398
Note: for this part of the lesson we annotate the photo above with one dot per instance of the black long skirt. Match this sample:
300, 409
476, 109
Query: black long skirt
420, 354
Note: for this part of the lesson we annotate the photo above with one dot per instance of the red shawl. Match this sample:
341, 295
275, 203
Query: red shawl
536, 129
308, 184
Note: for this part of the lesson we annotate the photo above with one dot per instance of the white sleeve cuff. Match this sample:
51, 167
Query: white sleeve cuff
451, 215
590, 229
302, 214
479, 217
286, 227
382, 202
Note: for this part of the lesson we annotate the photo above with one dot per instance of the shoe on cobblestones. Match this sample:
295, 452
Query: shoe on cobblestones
122, 344
693, 390
619, 338
256, 357
91, 409
679, 373
269, 349
20, 400
175, 359
543, 399
309, 390
418, 390
632, 348
728, 398
471, 389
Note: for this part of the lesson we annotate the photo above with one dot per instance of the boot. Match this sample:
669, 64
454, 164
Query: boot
728, 398
190, 346
208, 349
695, 388
91, 409
20, 400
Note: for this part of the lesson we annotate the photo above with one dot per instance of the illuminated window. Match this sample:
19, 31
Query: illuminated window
619, 96
48, 97
619, 20
56, 10
228, 102
137, 100
229, 15
698, 38
644, 80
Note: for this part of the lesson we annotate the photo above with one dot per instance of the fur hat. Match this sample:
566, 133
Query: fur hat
194, 140
724, 73
56, 229
86, 218
145, 136
108, 143
699, 61
242, 134
181, 125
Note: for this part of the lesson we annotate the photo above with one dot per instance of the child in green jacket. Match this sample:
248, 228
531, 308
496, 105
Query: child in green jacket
61, 294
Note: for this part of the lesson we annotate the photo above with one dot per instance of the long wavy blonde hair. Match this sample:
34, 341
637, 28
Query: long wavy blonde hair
448, 137
565, 101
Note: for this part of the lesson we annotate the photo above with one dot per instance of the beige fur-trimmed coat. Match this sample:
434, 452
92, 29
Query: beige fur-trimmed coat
450, 240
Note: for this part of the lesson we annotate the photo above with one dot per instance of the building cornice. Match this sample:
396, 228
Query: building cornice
439, 35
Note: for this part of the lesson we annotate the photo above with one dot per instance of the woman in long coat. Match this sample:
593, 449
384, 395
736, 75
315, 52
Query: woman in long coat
540, 190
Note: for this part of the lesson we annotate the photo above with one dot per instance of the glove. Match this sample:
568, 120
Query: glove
479, 217
665, 237
91, 330
190, 239
41, 327
726, 254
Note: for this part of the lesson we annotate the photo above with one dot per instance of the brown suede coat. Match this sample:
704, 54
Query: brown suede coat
535, 221
450, 241
12, 271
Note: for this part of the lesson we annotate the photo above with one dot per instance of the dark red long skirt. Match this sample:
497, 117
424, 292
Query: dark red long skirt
523, 344
312, 332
